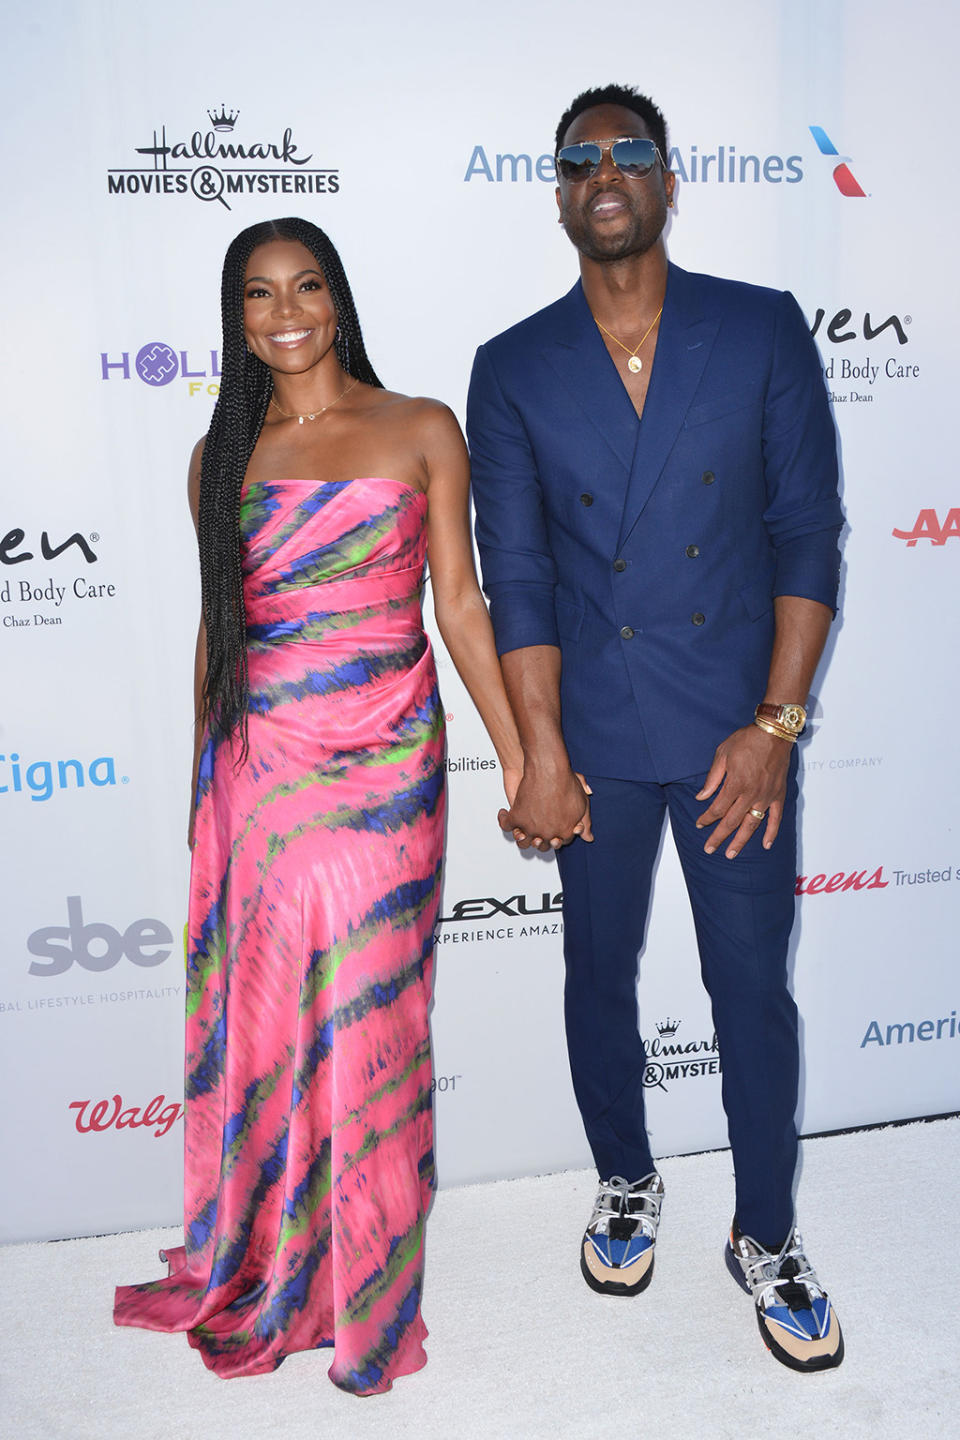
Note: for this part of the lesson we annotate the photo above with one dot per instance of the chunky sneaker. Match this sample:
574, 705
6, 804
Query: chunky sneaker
617, 1253
797, 1321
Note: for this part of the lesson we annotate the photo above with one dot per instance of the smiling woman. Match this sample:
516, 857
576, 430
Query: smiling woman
319, 820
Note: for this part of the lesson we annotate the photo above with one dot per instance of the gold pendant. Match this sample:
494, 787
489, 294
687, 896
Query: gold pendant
634, 364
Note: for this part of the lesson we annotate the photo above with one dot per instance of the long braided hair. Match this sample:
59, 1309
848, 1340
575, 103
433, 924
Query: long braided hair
246, 386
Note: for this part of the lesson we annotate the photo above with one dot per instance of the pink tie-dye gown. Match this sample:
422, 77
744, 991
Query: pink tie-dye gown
313, 905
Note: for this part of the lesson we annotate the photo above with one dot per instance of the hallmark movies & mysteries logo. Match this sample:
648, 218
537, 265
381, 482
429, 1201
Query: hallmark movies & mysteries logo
210, 167
669, 1059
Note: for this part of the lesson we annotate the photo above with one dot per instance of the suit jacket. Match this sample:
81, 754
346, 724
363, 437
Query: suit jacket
651, 551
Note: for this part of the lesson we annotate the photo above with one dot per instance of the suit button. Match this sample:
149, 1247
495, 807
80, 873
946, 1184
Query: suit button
586, 499
619, 565
697, 618
692, 551
626, 633
708, 477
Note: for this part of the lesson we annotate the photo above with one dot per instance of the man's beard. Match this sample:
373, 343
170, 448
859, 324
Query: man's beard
642, 234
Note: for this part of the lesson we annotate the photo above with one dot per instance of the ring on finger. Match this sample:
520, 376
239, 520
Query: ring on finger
758, 814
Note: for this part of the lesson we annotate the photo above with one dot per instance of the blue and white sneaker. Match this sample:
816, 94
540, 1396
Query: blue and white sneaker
797, 1321
616, 1257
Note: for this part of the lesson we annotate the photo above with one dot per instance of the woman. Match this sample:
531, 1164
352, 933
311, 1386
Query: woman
318, 831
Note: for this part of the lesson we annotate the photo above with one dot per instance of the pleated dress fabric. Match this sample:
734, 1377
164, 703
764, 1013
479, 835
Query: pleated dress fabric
313, 904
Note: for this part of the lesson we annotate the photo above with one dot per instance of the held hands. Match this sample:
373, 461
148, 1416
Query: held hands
752, 767
545, 804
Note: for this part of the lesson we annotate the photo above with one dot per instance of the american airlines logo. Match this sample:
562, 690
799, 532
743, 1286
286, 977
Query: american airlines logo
843, 177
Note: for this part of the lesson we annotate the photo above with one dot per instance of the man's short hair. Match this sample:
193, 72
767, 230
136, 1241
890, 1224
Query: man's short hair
625, 95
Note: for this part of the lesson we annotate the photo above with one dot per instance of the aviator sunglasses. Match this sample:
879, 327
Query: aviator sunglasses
632, 156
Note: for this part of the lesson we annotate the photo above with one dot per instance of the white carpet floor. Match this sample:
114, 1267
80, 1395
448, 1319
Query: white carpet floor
521, 1349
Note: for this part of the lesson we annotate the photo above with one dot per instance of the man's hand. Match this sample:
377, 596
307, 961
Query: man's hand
555, 806
750, 766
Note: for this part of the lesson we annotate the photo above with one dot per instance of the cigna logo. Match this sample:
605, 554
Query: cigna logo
40, 778
96, 946
157, 1114
157, 364
928, 527
843, 177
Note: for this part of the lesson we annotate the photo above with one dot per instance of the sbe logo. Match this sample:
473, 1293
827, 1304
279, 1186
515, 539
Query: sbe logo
928, 527
96, 946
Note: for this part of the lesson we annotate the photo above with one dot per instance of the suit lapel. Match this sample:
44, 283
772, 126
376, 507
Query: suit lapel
580, 361
683, 348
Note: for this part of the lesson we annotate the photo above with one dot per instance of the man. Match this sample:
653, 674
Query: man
655, 481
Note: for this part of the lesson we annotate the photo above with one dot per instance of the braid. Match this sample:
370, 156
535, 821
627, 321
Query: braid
245, 389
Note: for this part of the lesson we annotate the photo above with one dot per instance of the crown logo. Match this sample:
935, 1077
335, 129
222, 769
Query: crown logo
225, 120
668, 1026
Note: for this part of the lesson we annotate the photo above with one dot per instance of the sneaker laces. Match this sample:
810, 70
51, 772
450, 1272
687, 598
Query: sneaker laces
620, 1209
784, 1279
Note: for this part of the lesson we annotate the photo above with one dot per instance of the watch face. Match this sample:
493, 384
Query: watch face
793, 717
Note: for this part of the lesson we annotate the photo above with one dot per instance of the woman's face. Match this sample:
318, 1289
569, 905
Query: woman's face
289, 319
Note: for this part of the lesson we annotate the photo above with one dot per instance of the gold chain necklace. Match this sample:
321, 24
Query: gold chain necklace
314, 415
634, 364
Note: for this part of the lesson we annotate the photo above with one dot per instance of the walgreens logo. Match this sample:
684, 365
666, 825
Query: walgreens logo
928, 527
841, 883
158, 1115
96, 946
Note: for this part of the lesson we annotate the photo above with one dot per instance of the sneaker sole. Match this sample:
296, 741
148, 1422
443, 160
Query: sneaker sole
818, 1362
615, 1287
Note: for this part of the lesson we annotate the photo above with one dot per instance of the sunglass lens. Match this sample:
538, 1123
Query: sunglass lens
634, 158
579, 162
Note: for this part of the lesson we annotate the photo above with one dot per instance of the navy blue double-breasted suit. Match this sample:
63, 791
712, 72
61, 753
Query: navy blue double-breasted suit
650, 551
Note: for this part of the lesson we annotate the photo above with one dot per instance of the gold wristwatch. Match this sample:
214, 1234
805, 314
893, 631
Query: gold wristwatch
791, 718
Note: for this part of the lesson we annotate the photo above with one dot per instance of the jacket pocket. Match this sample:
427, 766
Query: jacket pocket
757, 598
569, 619
727, 404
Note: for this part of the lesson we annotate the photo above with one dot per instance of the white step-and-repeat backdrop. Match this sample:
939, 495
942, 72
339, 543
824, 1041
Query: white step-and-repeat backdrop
811, 144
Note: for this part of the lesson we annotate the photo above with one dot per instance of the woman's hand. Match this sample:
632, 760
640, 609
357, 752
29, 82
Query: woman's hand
512, 775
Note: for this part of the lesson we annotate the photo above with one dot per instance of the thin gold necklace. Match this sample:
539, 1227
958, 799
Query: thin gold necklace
634, 364
315, 414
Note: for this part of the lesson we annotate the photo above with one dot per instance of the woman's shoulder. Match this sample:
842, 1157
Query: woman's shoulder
420, 412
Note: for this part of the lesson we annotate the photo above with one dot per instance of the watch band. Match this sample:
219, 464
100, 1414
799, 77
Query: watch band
790, 718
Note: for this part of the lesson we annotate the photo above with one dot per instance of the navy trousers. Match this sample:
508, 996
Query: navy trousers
743, 910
